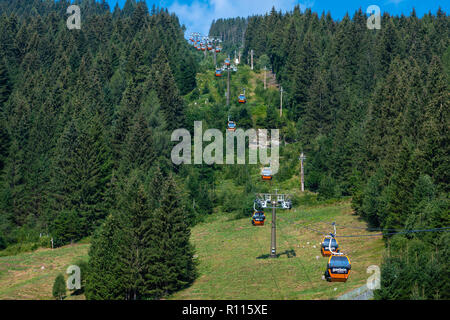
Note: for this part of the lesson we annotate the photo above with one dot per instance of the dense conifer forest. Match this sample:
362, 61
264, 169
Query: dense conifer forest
230, 31
84, 135
371, 109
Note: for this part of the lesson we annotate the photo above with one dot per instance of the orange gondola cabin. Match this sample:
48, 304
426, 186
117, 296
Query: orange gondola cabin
242, 99
338, 268
258, 218
325, 248
231, 126
266, 174
218, 72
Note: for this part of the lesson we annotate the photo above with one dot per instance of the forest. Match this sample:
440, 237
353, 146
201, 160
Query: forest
371, 109
84, 140
230, 31
86, 118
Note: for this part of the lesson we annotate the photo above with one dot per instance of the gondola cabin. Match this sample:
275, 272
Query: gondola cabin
218, 49
258, 218
325, 248
227, 62
210, 47
338, 268
286, 204
203, 48
231, 126
242, 99
218, 72
266, 174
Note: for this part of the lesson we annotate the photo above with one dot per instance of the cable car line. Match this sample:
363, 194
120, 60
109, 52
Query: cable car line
364, 228
444, 229
394, 231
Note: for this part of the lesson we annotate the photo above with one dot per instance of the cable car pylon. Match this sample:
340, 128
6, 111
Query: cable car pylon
273, 201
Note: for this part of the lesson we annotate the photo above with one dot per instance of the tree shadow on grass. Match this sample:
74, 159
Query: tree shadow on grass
289, 253
77, 292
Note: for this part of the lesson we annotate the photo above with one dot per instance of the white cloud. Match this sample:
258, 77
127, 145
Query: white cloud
306, 4
194, 15
197, 16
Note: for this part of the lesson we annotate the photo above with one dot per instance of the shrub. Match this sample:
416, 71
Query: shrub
59, 287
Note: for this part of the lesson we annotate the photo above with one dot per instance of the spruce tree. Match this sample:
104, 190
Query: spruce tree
5, 84
136, 250
434, 133
59, 287
172, 105
138, 151
81, 172
5, 142
104, 278
173, 266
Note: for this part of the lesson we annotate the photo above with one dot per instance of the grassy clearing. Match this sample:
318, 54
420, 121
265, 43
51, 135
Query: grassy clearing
232, 259
232, 255
233, 263
30, 275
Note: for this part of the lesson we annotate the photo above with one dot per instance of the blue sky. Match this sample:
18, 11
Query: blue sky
197, 15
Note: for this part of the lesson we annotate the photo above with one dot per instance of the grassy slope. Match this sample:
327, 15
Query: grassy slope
232, 255
233, 261
22, 276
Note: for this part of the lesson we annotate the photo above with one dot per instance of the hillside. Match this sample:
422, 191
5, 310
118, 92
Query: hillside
96, 128
234, 264
232, 259
30, 276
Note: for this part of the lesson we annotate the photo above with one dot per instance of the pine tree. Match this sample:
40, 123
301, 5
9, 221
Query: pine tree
272, 117
173, 267
434, 134
402, 184
104, 278
136, 250
172, 105
129, 105
138, 151
128, 8
5, 84
81, 171
59, 287
319, 114
5, 142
